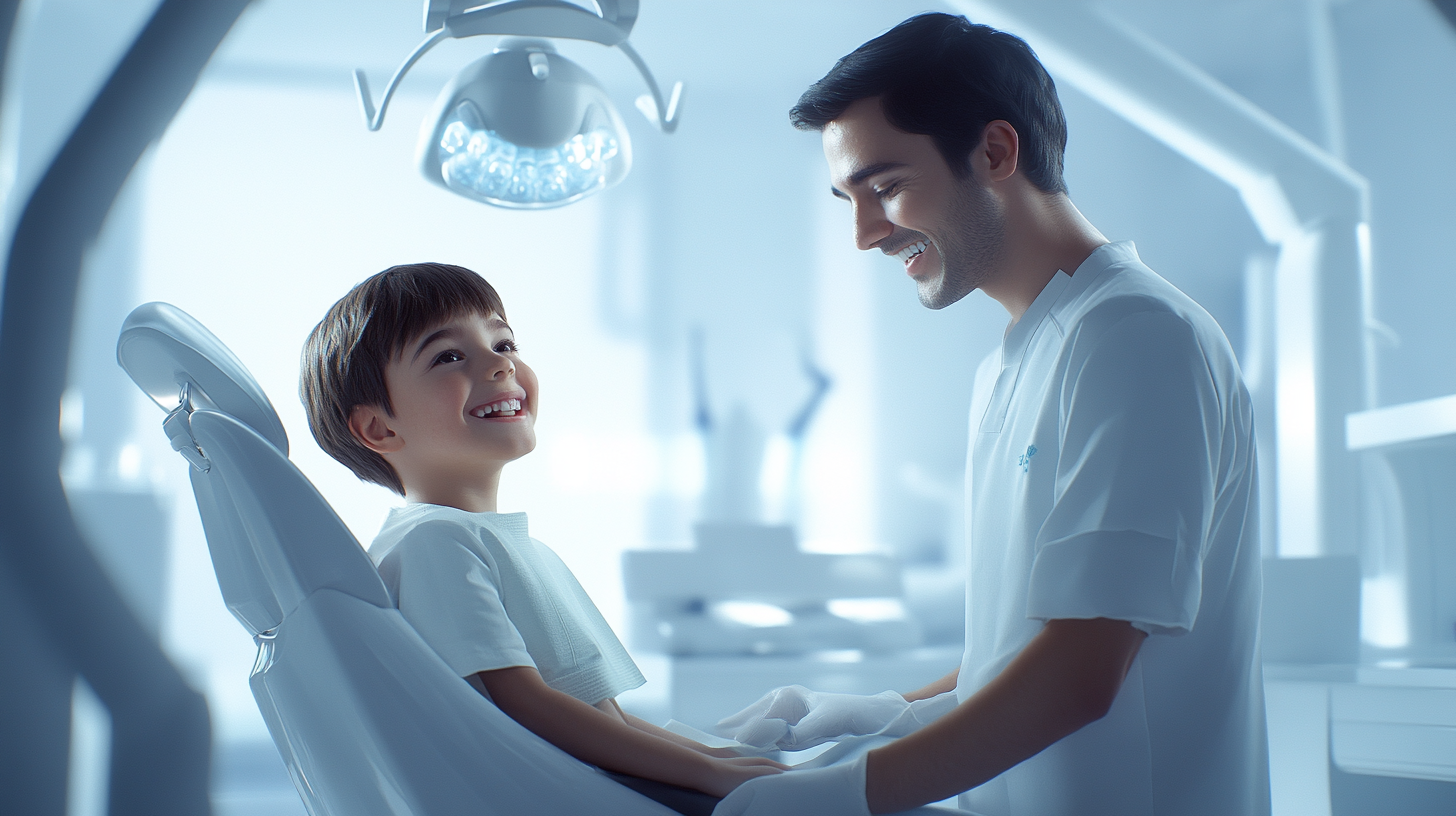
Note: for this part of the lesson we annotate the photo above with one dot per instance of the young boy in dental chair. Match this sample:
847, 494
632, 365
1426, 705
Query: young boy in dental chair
414, 381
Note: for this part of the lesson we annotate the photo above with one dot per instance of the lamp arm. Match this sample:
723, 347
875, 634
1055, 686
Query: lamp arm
664, 114
375, 119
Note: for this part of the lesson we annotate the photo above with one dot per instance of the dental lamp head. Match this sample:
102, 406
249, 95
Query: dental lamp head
525, 127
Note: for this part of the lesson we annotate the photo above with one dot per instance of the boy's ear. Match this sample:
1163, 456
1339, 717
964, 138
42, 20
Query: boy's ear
369, 425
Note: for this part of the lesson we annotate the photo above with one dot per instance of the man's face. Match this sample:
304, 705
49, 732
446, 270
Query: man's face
948, 231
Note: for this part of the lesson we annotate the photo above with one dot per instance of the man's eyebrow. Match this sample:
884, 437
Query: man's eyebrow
858, 177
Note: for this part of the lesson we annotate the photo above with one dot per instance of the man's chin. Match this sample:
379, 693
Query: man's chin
934, 294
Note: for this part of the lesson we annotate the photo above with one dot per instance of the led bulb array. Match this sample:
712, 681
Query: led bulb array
483, 165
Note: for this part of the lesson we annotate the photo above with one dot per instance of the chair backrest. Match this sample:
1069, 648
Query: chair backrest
297, 543
369, 719
187, 371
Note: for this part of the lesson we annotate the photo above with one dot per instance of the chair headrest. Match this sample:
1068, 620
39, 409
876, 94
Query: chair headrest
163, 348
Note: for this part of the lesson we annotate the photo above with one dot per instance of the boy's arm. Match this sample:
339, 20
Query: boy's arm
658, 731
677, 739
1065, 678
596, 737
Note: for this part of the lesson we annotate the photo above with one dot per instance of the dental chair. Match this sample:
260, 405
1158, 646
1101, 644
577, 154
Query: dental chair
368, 719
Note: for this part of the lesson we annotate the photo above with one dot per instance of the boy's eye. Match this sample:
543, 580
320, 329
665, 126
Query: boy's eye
450, 356
888, 190
506, 347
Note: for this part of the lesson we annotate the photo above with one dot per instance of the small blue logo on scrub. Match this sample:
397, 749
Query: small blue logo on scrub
1025, 459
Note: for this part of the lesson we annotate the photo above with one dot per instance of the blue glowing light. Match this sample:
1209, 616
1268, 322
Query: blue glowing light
479, 163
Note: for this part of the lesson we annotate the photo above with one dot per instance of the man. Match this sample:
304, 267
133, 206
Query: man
1111, 662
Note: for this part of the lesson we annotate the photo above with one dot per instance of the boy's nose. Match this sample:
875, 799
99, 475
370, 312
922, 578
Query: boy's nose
501, 367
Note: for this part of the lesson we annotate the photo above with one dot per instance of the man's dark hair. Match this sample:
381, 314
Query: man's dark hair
345, 354
947, 78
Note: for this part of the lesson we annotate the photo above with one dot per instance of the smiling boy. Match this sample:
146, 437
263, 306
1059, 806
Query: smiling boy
414, 381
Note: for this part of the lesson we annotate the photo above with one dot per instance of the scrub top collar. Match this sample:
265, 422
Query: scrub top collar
1061, 289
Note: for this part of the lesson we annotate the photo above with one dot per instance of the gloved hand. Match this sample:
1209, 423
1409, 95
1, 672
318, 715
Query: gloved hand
794, 718
838, 790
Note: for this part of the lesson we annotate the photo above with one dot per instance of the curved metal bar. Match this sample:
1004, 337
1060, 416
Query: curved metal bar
665, 114
375, 120
161, 736
539, 18
621, 13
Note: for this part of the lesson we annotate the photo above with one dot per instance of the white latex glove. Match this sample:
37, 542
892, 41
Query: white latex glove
838, 790
794, 718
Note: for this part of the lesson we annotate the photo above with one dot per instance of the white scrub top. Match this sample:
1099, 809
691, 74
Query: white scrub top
485, 595
1111, 474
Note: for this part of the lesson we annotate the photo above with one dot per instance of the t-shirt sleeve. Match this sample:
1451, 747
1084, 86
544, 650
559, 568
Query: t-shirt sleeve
451, 596
1139, 430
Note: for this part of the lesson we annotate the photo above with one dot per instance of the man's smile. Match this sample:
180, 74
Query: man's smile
912, 251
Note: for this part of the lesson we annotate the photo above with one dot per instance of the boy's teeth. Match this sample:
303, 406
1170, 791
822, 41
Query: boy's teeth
504, 408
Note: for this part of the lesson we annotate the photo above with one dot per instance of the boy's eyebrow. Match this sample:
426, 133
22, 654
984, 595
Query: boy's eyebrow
430, 338
451, 331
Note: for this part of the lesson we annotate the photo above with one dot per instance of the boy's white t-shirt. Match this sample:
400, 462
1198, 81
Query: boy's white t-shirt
485, 595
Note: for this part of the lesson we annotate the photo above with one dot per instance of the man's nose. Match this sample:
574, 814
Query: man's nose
870, 224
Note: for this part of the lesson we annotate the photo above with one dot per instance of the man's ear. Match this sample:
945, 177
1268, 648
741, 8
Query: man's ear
370, 425
999, 151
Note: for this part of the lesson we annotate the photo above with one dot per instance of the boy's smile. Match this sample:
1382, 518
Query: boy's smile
464, 404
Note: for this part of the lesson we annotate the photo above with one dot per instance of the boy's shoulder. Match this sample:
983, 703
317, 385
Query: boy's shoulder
424, 528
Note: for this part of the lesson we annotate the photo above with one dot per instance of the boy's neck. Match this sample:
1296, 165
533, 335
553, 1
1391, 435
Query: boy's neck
472, 496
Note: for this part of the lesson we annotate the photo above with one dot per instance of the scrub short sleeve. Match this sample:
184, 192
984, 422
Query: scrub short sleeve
1134, 492
452, 598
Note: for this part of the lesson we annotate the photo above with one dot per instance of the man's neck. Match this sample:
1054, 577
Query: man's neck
1044, 234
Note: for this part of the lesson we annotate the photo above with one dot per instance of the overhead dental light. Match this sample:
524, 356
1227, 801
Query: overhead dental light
525, 127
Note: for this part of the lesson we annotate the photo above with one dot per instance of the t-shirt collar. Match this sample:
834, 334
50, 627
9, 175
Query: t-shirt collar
1060, 290
514, 523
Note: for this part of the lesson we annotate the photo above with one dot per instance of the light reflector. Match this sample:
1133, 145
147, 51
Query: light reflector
480, 163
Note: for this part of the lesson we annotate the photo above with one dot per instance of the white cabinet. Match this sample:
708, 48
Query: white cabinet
1396, 721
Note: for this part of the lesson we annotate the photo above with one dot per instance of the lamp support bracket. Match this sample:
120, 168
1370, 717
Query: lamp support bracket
375, 119
530, 18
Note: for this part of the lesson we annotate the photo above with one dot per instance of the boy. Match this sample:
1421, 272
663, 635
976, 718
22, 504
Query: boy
414, 381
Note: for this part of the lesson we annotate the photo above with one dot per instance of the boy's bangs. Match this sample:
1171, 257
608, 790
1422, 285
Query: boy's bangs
419, 303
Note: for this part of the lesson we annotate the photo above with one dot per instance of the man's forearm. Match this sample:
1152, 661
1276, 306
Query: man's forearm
941, 686
1065, 678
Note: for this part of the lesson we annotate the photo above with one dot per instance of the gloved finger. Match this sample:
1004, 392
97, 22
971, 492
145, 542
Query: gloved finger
795, 739
791, 704
848, 715
752, 712
761, 734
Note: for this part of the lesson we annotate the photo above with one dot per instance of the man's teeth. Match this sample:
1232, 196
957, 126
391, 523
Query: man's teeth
912, 250
503, 408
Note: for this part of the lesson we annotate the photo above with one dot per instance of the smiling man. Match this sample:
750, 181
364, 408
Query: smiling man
1111, 662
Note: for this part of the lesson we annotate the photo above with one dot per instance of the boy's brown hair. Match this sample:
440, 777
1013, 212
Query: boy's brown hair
345, 355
